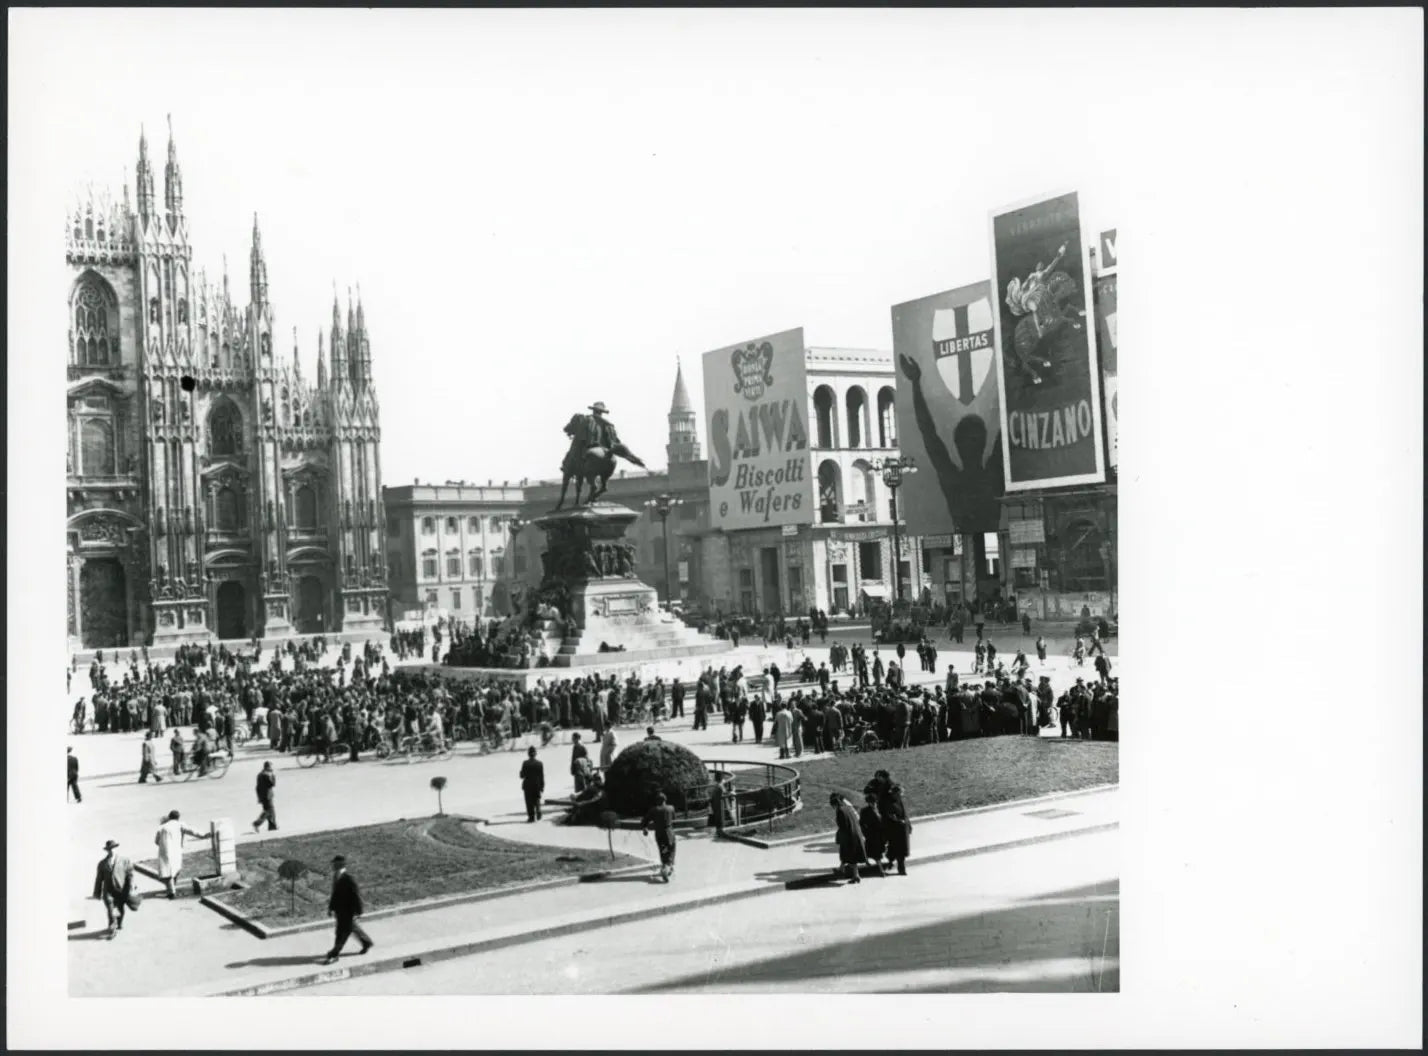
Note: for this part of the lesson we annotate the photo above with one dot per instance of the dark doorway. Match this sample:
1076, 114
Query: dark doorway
309, 616
103, 605
773, 591
232, 610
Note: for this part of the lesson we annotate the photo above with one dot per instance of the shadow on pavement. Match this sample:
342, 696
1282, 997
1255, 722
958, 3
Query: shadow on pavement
1024, 933
275, 962
89, 936
636, 879
803, 877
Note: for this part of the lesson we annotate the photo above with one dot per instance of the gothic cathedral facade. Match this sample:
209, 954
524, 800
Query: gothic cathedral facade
213, 492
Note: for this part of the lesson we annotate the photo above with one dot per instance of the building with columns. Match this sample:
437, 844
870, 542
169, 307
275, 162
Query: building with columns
842, 554
213, 490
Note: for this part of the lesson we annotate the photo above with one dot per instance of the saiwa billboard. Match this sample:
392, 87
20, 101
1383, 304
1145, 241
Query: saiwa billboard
948, 411
1046, 337
756, 407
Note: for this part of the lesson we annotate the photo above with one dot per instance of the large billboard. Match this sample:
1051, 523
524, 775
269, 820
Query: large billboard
1045, 334
947, 411
756, 407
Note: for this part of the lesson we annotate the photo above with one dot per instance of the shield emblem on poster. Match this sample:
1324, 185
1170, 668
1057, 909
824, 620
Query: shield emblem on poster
962, 343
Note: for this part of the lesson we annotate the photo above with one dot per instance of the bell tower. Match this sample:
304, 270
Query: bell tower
683, 443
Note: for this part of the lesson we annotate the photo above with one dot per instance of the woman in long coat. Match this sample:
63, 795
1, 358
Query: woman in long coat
897, 826
870, 821
851, 851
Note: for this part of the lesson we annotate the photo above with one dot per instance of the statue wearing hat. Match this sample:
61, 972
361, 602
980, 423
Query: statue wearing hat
594, 444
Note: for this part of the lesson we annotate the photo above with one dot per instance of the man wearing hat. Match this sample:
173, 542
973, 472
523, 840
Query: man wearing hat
346, 905
113, 885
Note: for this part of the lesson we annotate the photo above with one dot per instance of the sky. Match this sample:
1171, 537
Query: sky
546, 210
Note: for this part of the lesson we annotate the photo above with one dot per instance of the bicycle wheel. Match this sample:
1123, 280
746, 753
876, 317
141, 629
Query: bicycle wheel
219, 765
240, 735
383, 748
870, 742
188, 771
341, 753
307, 758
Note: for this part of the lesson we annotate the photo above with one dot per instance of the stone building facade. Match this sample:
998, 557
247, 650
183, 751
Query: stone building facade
449, 549
213, 491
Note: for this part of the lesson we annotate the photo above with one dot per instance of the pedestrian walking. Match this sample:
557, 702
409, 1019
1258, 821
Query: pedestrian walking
661, 819
169, 840
872, 826
114, 886
1040, 649
267, 782
897, 826
532, 784
149, 762
346, 905
72, 772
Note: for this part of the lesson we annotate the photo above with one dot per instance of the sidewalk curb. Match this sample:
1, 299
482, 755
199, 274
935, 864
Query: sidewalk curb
765, 845
262, 931
417, 960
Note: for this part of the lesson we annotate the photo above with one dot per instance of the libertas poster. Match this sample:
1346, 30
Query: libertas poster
1046, 340
948, 411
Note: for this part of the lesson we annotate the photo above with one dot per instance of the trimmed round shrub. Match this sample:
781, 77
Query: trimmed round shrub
647, 767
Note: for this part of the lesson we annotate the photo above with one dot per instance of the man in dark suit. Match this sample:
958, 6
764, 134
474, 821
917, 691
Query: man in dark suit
72, 766
267, 781
676, 700
346, 905
532, 783
114, 886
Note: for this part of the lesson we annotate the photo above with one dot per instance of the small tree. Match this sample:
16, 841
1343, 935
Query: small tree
438, 783
609, 821
292, 871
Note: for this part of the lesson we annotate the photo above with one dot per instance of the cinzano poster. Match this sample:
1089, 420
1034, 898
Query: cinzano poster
947, 411
756, 407
1045, 334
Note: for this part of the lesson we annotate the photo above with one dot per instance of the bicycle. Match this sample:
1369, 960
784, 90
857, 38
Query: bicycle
215, 767
337, 753
425, 745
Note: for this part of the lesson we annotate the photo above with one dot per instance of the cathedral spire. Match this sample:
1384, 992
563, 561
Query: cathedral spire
683, 443
258, 268
144, 178
321, 364
339, 343
681, 403
297, 358
173, 179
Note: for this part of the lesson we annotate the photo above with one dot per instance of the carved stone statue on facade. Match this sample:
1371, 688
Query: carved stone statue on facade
267, 411
271, 519
625, 559
188, 520
158, 412
347, 513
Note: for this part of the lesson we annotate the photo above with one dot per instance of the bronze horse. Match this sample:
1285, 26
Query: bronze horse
595, 466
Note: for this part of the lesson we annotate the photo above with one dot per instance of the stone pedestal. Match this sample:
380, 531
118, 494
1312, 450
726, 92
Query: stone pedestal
364, 611
180, 621
590, 577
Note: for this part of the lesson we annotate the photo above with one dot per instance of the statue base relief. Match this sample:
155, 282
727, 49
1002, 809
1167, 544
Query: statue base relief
590, 567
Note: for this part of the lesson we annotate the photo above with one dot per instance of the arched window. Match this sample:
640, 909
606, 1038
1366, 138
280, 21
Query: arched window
95, 327
96, 455
830, 493
306, 509
857, 406
225, 510
451, 526
887, 418
428, 527
824, 414
473, 525
860, 489
225, 430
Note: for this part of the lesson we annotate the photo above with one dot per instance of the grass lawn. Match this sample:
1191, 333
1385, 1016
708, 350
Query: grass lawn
396, 863
952, 776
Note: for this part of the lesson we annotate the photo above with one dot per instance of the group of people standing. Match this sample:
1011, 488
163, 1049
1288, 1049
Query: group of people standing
882, 829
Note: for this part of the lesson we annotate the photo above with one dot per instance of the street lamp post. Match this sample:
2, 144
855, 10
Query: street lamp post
661, 505
514, 526
893, 469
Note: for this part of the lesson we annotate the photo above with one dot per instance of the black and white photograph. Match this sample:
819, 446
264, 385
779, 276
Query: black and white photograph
607, 506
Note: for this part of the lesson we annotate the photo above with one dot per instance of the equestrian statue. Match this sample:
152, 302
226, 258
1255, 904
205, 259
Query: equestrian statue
594, 445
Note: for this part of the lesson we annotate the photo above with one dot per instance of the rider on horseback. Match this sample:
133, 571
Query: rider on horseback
591, 457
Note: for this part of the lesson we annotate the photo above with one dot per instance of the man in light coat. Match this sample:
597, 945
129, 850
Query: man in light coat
169, 840
783, 728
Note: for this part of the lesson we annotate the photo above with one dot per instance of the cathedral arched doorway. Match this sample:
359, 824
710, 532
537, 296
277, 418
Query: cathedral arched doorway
103, 604
232, 605
308, 615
